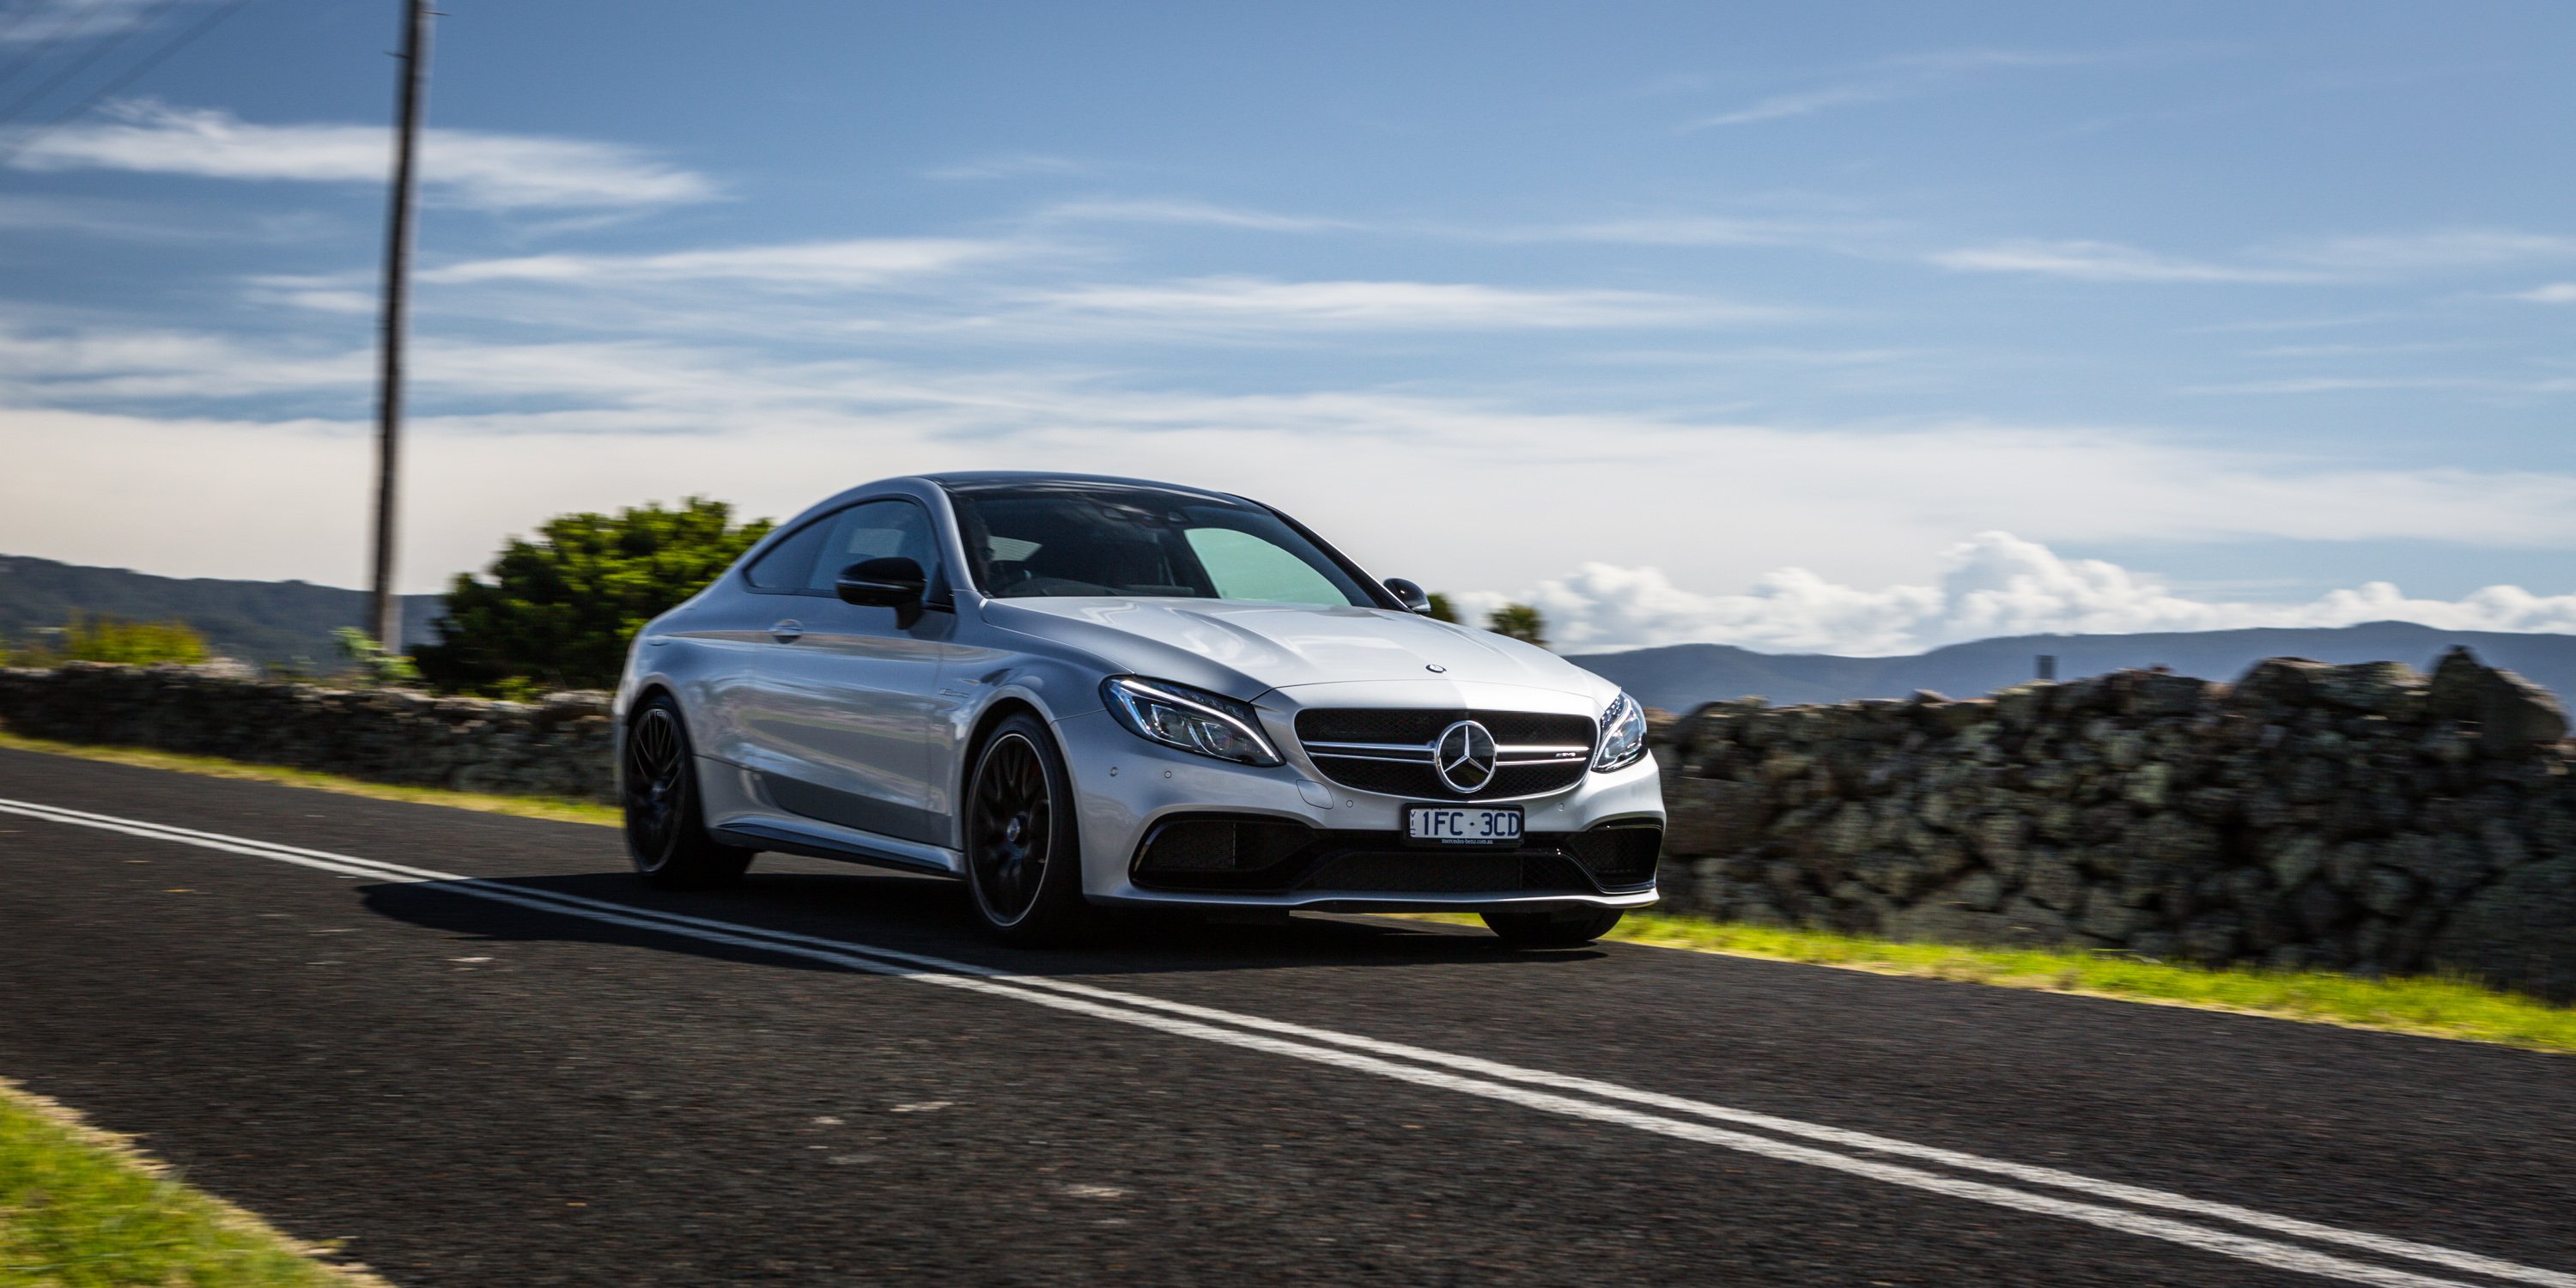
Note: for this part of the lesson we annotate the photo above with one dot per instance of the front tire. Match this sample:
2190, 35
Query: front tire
666, 831
1023, 851
1550, 929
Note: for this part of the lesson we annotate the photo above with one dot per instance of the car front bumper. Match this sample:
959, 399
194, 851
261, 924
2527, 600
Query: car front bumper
1125, 787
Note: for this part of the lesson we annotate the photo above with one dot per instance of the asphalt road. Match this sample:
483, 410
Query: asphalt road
508, 1065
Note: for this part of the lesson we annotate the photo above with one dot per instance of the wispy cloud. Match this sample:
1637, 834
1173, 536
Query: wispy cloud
47, 21
2432, 251
2376, 383
1259, 303
1015, 166
461, 167
1172, 211
601, 422
2554, 293
860, 262
2093, 261
1886, 79
1702, 230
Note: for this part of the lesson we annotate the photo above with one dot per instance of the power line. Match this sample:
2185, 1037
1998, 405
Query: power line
86, 61
130, 75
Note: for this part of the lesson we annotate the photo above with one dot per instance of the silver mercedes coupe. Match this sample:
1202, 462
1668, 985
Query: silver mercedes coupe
1078, 693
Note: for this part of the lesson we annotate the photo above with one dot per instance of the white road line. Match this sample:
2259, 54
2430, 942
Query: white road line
1497, 1082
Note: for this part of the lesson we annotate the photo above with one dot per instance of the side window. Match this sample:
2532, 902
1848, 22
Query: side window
872, 530
786, 565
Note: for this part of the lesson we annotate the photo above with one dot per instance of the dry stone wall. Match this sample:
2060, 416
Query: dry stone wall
558, 747
2364, 818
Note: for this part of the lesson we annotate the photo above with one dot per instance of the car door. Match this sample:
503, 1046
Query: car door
837, 708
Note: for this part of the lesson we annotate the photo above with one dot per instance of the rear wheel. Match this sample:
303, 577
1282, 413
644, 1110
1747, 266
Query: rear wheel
666, 833
1552, 929
1023, 857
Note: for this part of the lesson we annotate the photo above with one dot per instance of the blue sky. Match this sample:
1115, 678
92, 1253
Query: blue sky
1860, 327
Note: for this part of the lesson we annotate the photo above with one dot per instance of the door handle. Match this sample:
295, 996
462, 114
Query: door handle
786, 632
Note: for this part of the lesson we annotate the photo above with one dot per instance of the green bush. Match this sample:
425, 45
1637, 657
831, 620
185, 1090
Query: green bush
1520, 621
1441, 610
102, 638
372, 662
557, 612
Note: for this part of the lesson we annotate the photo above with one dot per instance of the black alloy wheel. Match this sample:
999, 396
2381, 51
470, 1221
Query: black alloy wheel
1023, 861
666, 836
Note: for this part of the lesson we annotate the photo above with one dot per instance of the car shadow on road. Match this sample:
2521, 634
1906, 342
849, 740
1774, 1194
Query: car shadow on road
865, 908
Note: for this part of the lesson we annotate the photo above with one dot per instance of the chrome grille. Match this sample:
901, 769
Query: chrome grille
1391, 750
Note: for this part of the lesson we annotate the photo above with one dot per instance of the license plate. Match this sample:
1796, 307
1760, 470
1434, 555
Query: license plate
1453, 825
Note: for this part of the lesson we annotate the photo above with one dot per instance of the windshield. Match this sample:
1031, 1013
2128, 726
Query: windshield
1069, 538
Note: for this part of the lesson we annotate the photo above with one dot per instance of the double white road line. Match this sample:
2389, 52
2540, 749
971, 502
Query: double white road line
2223, 1228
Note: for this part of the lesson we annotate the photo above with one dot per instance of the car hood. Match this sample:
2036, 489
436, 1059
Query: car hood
1246, 649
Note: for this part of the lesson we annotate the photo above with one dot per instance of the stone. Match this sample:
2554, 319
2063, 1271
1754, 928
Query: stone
2147, 788
1982, 891
2319, 908
2386, 891
2519, 932
2105, 917
2052, 881
2028, 922
2213, 940
1705, 817
2511, 713
2293, 859
2449, 865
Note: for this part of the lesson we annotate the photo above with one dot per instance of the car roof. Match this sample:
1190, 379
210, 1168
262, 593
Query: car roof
974, 480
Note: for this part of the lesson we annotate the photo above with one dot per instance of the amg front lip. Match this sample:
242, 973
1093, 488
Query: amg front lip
1127, 787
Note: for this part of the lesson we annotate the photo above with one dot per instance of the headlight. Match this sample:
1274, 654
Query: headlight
1623, 735
1176, 715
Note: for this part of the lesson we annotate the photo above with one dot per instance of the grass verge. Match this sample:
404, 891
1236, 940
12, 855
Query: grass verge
2428, 1005
553, 808
79, 1208
2434, 1006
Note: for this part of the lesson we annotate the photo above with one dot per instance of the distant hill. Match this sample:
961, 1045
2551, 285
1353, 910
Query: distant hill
281, 621
257, 621
1682, 676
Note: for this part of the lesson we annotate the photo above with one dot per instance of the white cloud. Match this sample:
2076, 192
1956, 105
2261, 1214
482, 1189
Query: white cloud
1805, 102
1990, 585
46, 21
2434, 251
1258, 303
1173, 211
2554, 293
1454, 492
1704, 230
1891, 78
2093, 261
466, 167
839, 264
1015, 166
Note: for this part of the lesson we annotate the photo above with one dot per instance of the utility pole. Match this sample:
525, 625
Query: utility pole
389, 375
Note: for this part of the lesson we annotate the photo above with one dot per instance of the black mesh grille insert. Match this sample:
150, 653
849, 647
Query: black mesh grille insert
1217, 844
1439, 872
1618, 856
1220, 853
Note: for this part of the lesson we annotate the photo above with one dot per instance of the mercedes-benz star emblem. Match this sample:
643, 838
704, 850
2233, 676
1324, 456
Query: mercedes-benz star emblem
1464, 757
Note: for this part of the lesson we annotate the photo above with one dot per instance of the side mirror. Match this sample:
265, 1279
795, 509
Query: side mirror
896, 582
1408, 594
